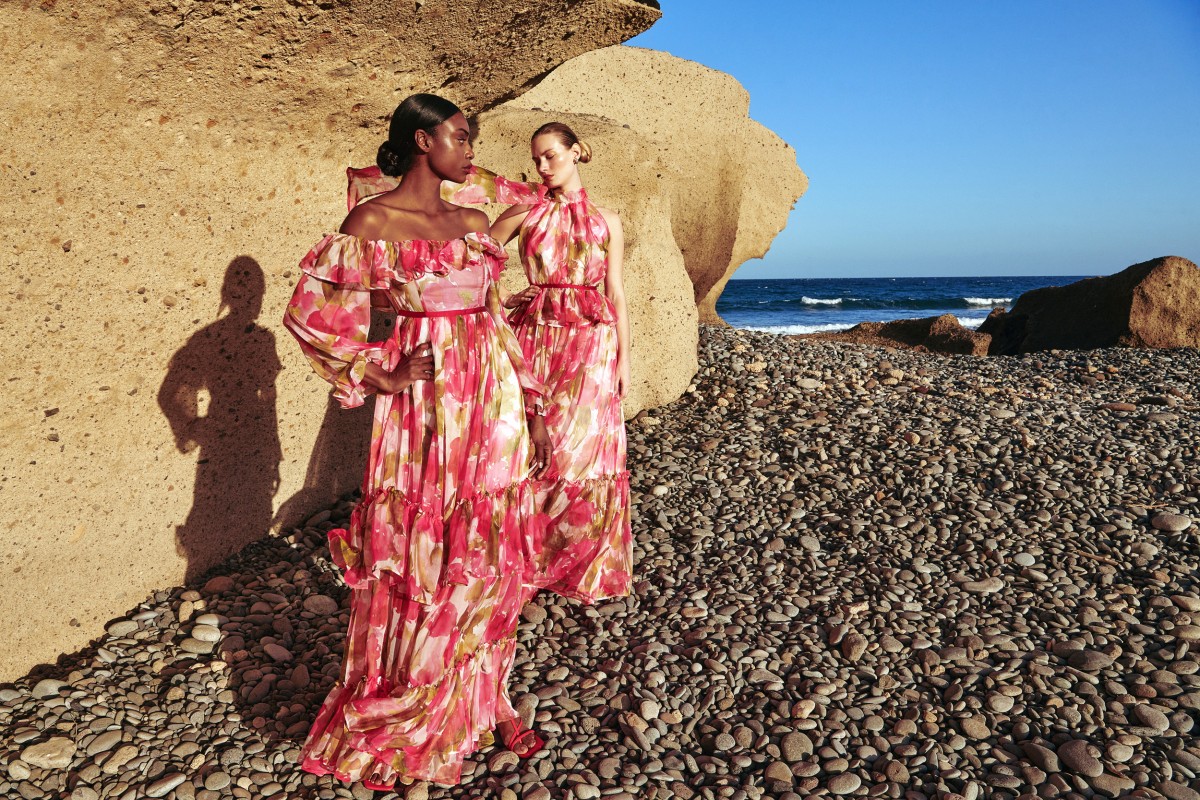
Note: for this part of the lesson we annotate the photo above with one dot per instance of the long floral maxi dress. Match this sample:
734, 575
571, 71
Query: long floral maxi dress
434, 554
582, 546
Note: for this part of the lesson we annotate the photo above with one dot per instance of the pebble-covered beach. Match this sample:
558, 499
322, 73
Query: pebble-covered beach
860, 573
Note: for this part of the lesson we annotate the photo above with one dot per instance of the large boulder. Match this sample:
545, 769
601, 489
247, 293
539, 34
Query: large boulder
944, 334
1152, 304
165, 166
731, 181
621, 176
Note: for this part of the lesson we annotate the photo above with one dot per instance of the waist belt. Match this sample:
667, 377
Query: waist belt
450, 312
565, 286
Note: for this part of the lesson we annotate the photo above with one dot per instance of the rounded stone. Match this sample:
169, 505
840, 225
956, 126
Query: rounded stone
54, 753
163, 785
1089, 660
778, 771
216, 781
1151, 717
503, 760
533, 614
976, 727
844, 783
206, 633
1075, 755
1000, 703
321, 605
1186, 633
219, 585
277, 652
48, 687
1120, 753
1172, 523
796, 746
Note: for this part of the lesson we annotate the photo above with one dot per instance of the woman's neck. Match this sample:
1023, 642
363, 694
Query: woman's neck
421, 188
573, 186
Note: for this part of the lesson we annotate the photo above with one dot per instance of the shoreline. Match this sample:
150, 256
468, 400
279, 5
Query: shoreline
855, 568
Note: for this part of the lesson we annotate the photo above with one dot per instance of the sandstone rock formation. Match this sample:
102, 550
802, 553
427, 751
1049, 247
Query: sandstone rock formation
1152, 304
944, 334
662, 313
164, 165
731, 181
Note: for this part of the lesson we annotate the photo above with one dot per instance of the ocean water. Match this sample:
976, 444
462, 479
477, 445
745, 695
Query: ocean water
810, 305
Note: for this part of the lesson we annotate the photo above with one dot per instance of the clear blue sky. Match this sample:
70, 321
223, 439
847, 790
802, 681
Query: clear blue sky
1023, 137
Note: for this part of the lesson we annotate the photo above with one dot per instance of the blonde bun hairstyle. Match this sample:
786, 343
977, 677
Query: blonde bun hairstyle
567, 137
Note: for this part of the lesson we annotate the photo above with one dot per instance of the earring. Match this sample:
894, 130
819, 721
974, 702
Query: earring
576, 161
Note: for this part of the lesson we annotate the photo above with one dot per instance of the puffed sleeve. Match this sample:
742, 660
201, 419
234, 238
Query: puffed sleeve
330, 315
484, 186
481, 186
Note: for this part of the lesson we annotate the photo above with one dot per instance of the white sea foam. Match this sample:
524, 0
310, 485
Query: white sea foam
987, 301
789, 329
834, 327
816, 301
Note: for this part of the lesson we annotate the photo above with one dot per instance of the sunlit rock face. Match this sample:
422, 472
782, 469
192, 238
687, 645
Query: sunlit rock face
164, 166
1152, 304
731, 181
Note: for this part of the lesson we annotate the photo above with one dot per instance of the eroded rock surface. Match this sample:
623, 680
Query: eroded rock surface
1152, 304
164, 166
731, 181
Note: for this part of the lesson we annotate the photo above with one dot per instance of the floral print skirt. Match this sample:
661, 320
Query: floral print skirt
434, 558
450, 661
581, 546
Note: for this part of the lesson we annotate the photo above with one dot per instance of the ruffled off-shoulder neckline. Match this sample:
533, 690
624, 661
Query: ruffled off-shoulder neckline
484, 239
359, 262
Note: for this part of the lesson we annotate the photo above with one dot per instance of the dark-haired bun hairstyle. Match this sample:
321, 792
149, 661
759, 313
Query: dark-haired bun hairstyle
390, 162
417, 112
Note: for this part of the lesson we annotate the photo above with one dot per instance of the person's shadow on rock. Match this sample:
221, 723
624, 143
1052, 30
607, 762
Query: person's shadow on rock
219, 397
339, 454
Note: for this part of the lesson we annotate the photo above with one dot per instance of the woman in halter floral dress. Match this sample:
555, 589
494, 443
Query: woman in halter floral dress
435, 552
574, 333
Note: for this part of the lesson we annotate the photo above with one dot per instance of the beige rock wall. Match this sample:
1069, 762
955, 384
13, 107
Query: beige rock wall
731, 181
164, 165
662, 314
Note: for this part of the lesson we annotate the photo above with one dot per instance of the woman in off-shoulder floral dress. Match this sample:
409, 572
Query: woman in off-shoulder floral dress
573, 327
434, 554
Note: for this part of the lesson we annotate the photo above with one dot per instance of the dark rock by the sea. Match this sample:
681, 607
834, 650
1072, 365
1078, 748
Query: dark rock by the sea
1152, 304
944, 334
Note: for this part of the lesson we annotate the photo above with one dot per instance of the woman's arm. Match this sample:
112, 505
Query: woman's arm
508, 223
330, 316
614, 289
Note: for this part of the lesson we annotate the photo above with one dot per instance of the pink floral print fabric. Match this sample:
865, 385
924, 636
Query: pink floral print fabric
582, 546
435, 552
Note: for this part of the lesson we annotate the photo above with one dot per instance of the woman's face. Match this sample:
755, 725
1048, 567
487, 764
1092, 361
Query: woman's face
554, 161
450, 151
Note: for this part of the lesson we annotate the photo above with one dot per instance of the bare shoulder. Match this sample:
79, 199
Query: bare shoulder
475, 220
366, 220
611, 217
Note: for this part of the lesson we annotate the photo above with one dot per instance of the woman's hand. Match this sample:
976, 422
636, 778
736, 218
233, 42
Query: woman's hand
542, 449
413, 367
622, 378
522, 297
